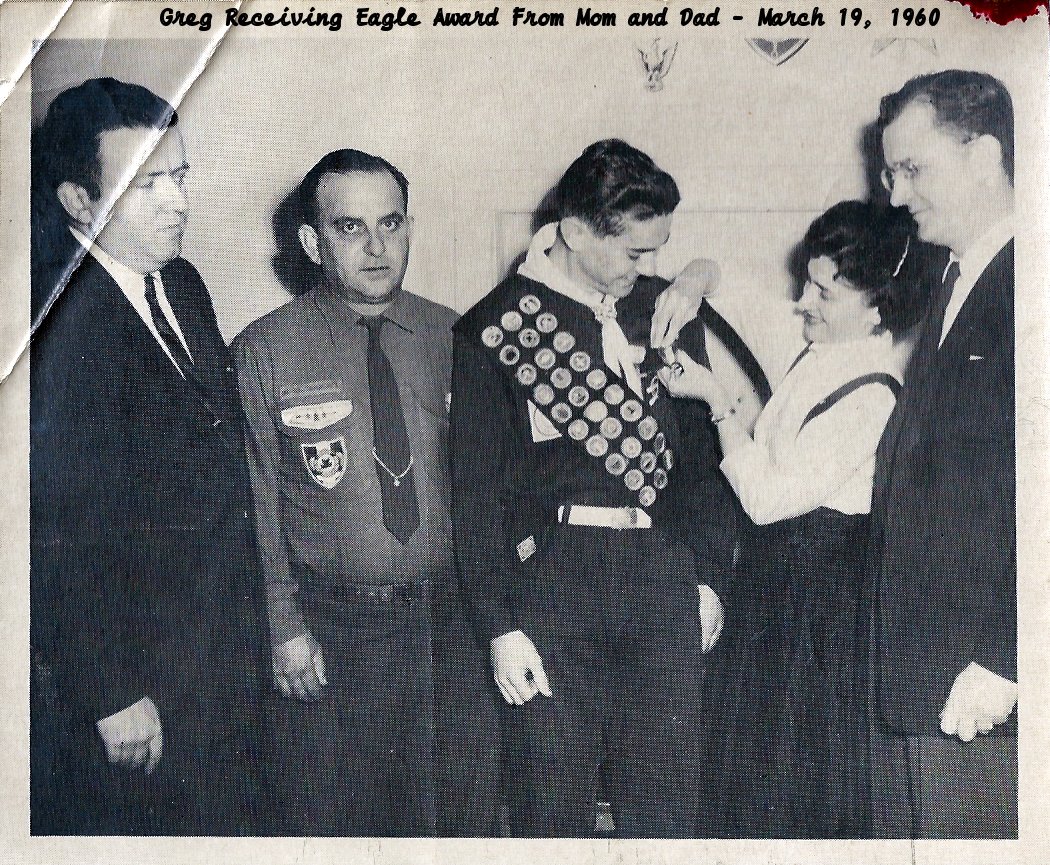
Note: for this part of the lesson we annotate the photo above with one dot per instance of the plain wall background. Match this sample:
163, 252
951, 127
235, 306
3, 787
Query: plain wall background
484, 122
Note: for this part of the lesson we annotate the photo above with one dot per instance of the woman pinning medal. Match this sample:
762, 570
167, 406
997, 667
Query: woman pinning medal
795, 721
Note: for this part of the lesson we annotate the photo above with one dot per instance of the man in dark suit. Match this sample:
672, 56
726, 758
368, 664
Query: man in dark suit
944, 552
144, 582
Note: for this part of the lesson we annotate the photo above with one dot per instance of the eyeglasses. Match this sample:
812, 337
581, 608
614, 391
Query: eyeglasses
906, 169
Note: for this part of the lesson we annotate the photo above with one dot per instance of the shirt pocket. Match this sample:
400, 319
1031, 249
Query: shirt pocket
318, 453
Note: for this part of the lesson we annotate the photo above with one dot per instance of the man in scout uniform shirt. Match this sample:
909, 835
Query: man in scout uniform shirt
345, 389
592, 524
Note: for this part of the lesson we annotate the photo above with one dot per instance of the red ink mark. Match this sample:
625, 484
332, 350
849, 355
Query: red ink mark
1005, 11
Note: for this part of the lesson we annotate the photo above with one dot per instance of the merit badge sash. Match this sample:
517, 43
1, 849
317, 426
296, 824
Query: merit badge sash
580, 397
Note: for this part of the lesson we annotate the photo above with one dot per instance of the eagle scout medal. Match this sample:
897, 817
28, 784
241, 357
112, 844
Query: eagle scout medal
580, 361
492, 336
546, 322
511, 320
597, 446
561, 412
545, 358
596, 412
526, 374
614, 394
564, 341
646, 496
325, 461
529, 304
647, 461
615, 464
631, 447
659, 479
510, 354
631, 410
597, 379
561, 378
578, 430
647, 428
579, 396
634, 480
659, 443
543, 394
529, 337
611, 428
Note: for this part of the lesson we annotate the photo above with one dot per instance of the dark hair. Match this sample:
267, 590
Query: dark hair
869, 245
66, 144
969, 103
344, 162
611, 180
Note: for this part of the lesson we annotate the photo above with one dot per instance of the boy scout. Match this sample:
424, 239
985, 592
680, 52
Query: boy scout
592, 525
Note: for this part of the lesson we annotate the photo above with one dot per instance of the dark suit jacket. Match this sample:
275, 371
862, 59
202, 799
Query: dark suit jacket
144, 577
943, 508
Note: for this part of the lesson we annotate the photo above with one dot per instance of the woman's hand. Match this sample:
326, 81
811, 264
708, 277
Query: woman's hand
684, 377
678, 303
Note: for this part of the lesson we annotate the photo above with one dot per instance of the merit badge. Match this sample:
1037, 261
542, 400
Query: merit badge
511, 320
631, 447
316, 416
545, 358
614, 394
615, 464
596, 412
597, 379
659, 443
631, 410
597, 446
579, 396
561, 378
634, 480
659, 479
543, 394
646, 496
647, 428
561, 412
647, 461
529, 337
325, 461
546, 322
580, 361
530, 304
510, 354
526, 548
526, 374
579, 430
492, 336
611, 428
564, 341
668, 459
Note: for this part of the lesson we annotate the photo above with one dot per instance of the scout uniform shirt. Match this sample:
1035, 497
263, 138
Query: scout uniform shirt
304, 382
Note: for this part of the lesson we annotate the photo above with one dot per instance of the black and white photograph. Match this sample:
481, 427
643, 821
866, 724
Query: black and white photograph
548, 432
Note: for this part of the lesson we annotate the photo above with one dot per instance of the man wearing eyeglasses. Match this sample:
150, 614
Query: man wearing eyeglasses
944, 552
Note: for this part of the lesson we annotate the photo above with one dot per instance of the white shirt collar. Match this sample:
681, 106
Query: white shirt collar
871, 353
981, 252
123, 275
538, 266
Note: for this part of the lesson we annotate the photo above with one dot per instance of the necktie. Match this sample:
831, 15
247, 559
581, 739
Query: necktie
164, 329
951, 276
617, 352
390, 439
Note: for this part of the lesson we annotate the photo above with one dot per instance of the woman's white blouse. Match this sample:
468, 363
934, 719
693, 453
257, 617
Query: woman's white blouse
788, 469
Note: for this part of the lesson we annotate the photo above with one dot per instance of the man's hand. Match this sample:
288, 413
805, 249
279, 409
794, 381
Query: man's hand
517, 668
979, 700
711, 618
133, 736
298, 668
677, 304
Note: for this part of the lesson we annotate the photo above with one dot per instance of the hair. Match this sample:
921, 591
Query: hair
869, 246
969, 104
345, 161
66, 144
611, 181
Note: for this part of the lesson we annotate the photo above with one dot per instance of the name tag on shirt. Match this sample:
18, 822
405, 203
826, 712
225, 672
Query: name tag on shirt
318, 416
541, 426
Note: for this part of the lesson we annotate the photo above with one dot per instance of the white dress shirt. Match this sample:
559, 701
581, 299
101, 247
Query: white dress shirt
972, 264
133, 285
787, 469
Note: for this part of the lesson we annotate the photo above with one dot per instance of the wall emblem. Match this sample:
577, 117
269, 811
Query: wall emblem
777, 51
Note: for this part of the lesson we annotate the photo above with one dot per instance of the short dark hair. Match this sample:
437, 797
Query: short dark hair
969, 103
611, 180
66, 144
344, 161
868, 244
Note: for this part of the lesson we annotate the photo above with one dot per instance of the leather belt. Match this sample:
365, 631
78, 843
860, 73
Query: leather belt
605, 518
391, 593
